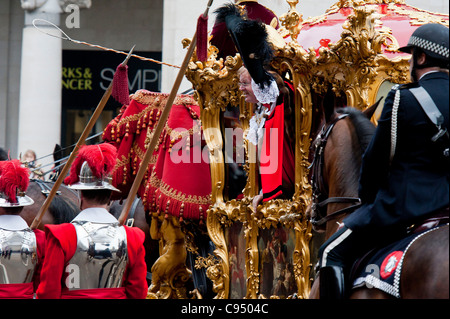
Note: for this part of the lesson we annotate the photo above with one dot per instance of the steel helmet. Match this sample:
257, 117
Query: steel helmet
92, 169
14, 181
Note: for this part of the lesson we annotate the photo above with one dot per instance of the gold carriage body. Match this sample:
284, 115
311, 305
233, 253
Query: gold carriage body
347, 57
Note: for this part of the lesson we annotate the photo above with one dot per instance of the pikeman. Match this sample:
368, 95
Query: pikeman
93, 256
21, 249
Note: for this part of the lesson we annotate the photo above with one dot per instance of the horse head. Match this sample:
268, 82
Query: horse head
335, 168
62, 209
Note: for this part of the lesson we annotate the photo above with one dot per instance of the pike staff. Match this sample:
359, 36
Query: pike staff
37, 220
164, 115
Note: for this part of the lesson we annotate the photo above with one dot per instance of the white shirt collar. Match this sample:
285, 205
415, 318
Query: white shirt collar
433, 71
13, 222
95, 215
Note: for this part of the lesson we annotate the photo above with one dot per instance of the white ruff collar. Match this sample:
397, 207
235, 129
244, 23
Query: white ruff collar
256, 130
268, 94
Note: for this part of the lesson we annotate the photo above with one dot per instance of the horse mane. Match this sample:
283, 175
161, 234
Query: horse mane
347, 172
115, 208
63, 210
364, 128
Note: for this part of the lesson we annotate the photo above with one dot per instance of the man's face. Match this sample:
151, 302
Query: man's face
246, 87
28, 157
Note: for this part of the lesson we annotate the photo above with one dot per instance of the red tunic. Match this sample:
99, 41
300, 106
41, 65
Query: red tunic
26, 291
61, 246
276, 167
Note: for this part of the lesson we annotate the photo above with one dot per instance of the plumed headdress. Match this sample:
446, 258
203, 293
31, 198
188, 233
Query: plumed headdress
93, 167
251, 40
14, 181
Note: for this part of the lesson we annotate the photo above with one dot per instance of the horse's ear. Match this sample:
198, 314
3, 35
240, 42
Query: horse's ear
57, 153
371, 109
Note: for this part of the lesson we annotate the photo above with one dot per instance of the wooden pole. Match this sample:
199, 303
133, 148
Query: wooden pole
37, 220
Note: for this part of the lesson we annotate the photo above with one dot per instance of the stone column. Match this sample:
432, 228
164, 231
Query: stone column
40, 77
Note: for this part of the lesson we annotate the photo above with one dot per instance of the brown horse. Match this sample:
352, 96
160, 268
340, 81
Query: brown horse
62, 209
335, 182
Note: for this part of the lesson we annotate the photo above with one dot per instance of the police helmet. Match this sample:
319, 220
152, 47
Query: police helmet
432, 39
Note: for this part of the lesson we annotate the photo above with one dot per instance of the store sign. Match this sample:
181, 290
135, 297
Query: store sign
87, 74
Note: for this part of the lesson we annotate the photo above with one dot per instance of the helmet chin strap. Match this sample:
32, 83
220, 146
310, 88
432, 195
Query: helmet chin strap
416, 66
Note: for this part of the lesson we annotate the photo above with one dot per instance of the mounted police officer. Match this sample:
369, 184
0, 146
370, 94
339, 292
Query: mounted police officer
93, 256
404, 174
21, 249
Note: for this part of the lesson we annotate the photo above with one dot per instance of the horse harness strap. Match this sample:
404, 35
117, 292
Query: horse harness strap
320, 143
45, 189
335, 214
130, 220
318, 184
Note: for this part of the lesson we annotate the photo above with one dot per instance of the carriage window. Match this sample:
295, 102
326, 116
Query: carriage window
234, 153
383, 91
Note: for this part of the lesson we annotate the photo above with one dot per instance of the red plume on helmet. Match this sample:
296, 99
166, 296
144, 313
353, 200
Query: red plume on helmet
101, 159
14, 179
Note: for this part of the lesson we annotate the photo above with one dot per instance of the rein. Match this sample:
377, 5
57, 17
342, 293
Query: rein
320, 192
45, 189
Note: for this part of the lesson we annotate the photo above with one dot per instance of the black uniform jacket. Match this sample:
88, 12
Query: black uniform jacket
416, 183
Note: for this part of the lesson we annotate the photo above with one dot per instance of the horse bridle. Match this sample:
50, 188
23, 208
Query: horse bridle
320, 195
45, 189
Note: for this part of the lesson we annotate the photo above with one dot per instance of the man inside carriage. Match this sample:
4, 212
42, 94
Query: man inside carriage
21, 249
271, 126
403, 180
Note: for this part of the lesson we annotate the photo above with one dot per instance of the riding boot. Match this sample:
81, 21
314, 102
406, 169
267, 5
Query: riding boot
332, 283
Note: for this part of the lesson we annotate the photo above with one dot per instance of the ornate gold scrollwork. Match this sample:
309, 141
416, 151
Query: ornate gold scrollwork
289, 214
292, 20
169, 272
215, 89
419, 16
360, 47
216, 86
353, 66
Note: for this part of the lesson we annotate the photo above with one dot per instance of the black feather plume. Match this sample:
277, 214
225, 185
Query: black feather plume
226, 10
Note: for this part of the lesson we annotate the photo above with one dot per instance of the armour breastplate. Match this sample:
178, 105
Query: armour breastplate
18, 256
100, 258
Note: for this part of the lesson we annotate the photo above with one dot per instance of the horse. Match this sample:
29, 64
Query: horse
336, 167
62, 209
